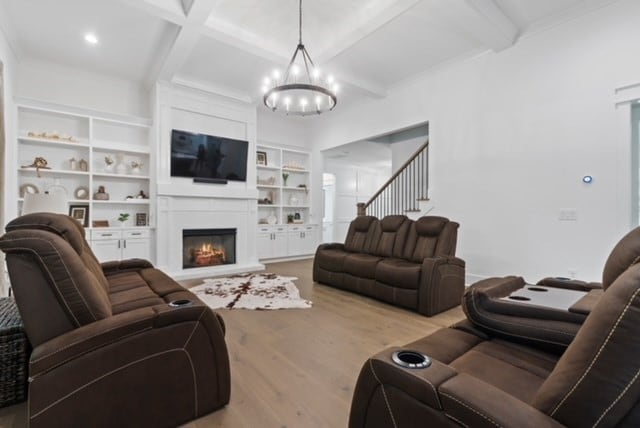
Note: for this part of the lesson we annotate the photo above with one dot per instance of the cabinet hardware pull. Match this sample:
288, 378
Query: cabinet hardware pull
118, 243
124, 243
106, 234
136, 234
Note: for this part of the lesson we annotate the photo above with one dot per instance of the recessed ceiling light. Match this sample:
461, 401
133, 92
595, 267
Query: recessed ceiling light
91, 39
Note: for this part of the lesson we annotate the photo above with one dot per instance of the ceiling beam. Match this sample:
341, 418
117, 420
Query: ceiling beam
170, 10
197, 12
484, 21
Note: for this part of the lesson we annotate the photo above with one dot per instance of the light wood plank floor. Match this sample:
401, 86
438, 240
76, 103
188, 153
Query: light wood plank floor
298, 367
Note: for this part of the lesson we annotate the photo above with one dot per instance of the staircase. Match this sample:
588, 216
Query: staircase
406, 192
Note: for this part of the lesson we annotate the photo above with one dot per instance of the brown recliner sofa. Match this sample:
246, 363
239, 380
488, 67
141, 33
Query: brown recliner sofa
407, 263
118, 344
477, 380
550, 312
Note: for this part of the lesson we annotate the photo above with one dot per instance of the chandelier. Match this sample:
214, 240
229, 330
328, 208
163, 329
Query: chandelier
302, 90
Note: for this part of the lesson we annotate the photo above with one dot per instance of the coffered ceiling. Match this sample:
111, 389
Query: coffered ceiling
228, 45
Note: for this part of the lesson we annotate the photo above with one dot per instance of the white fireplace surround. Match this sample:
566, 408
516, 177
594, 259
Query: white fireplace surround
176, 213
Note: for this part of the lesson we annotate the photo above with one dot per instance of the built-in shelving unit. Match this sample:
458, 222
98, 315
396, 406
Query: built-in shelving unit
76, 146
284, 229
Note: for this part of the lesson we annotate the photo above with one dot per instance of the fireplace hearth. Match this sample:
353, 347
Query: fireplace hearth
208, 247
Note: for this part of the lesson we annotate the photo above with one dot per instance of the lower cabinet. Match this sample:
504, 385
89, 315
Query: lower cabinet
286, 241
113, 244
272, 242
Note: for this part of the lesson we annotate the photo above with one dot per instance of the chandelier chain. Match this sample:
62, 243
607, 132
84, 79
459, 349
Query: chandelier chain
300, 24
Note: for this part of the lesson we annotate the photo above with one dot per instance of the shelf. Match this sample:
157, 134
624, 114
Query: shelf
301, 171
81, 142
118, 147
268, 168
126, 202
269, 206
52, 171
122, 176
303, 189
267, 186
296, 206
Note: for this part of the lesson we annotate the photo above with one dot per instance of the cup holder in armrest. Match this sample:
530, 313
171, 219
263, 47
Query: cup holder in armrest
521, 298
537, 289
180, 303
411, 359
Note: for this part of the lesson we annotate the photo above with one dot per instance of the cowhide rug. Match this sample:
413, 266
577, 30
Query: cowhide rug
251, 291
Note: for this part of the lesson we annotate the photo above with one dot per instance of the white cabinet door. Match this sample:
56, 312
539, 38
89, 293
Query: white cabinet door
279, 243
309, 240
135, 249
106, 250
294, 240
264, 244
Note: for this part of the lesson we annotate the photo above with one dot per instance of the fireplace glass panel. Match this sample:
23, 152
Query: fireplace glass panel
208, 247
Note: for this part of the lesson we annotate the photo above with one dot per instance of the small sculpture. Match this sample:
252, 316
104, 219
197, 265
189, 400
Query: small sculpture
121, 167
38, 163
83, 165
136, 167
108, 161
101, 195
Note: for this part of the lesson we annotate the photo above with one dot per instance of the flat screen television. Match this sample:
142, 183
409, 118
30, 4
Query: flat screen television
207, 156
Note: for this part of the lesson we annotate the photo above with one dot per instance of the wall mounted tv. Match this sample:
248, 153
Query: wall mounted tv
208, 157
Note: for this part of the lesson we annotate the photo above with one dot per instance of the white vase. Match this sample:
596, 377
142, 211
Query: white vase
136, 170
121, 168
108, 168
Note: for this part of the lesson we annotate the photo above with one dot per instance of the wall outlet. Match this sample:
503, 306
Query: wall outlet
568, 214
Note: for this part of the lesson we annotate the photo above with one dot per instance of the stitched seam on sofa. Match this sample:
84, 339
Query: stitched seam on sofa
76, 342
624, 391
593, 361
51, 276
477, 412
195, 385
456, 420
484, 314
99, 378
98, 346
384, 394
204, 309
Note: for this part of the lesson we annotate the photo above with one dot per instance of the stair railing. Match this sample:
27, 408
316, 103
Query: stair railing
403, 191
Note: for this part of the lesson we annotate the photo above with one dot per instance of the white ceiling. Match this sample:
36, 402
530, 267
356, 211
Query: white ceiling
228, 45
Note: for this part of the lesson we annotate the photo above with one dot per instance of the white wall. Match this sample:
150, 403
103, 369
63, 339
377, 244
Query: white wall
511, 136
405, 144
8, 60
73, 87
277, 130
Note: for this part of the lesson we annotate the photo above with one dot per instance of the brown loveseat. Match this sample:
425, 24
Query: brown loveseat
476, 380
549, 313
110, 349
397, 260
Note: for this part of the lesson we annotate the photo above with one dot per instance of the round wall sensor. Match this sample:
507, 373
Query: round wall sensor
587, 179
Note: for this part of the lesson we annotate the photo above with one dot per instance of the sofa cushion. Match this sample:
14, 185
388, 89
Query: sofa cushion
430, 236
399, 273
359, 236
626, 251
332, 259
361, 265
393, 235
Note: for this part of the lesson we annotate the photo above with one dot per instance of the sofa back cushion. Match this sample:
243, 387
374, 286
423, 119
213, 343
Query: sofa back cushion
361, 234
393, 236
431, 236
626, 251
47, 255
595, 381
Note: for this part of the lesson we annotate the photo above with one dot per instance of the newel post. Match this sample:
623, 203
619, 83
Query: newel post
362, 210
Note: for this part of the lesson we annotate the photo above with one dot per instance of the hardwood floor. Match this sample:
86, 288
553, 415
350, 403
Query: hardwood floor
298, 367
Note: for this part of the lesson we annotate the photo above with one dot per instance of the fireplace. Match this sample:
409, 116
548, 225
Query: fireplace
208, 247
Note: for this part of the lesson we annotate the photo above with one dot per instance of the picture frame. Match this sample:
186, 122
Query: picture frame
100, 223
261, 158
80, 213
141, 219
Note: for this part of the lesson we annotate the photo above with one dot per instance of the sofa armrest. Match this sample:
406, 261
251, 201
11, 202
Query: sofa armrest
330, 246
105, 332
475, 403
568, 283
441, 284
109, 268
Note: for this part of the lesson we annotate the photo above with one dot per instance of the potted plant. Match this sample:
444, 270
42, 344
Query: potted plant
123, 218
285, 175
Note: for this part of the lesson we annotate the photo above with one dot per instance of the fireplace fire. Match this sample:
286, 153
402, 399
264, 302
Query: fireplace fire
208, 247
